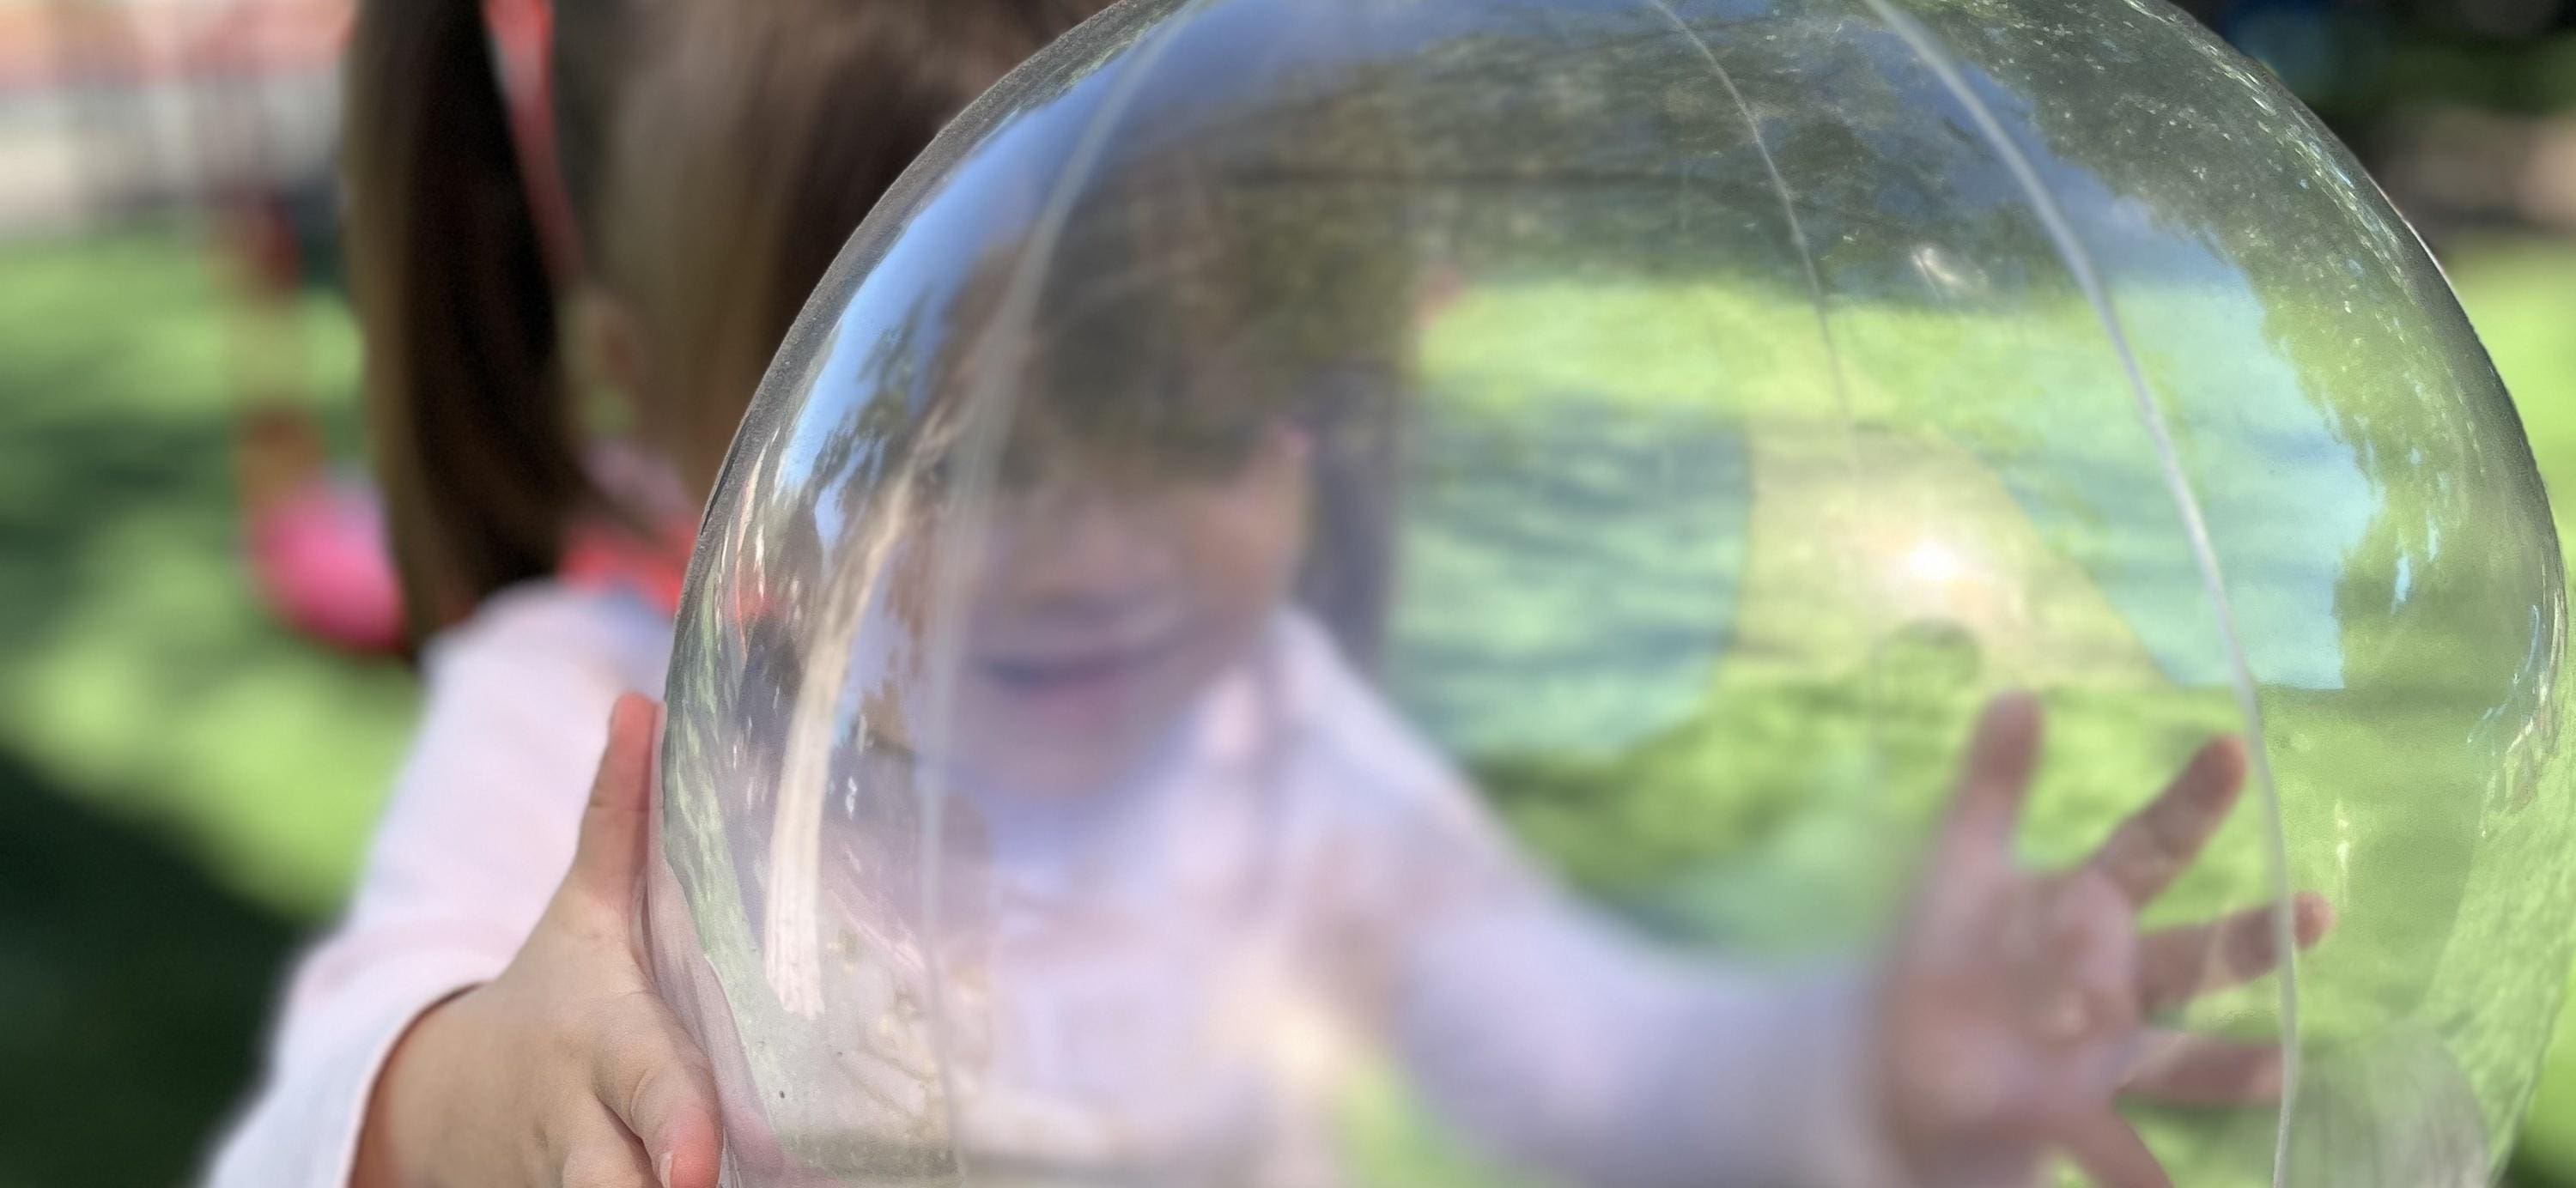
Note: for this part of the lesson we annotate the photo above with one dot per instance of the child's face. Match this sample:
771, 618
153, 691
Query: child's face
1110, 590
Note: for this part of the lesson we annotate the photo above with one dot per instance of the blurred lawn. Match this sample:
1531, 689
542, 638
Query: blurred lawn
183, 787
188, 786
136, 665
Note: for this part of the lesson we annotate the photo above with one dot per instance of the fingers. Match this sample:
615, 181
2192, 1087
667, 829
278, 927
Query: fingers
2181, 964
610, 853
2001, 756
2197, 1071
2105, 1146
653, 1079
2152, 848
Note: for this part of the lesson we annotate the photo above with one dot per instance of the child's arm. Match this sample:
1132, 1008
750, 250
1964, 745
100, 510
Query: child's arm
1998, 1030
1557, 1043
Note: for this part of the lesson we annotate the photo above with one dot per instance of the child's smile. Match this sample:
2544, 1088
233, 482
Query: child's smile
1086, 675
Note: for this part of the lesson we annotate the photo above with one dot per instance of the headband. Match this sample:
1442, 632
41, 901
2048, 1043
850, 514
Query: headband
522, 37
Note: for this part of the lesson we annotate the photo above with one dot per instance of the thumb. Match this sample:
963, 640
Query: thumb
610, 853
661, 1090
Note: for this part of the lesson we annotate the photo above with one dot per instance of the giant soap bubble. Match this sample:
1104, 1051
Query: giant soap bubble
1394, 591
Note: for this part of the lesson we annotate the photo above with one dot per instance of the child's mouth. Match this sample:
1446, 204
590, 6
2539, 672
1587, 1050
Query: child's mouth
1059, 674
1077, 674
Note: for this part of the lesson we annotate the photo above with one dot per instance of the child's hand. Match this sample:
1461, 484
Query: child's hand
566, 1069
2015, 1006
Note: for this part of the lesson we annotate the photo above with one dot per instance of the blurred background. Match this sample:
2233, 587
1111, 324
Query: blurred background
188, 769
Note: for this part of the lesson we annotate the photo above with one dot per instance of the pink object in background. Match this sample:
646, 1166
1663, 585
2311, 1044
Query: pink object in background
314, 538
322, 565
319, 558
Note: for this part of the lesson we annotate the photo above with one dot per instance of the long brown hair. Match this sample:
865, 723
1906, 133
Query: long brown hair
715, 154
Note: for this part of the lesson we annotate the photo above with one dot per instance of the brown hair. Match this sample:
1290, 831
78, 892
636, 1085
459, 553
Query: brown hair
715, 153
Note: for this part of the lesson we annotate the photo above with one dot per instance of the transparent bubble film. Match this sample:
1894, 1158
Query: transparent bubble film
1411, 592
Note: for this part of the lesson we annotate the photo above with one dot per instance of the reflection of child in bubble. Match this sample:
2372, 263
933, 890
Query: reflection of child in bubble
1199, 871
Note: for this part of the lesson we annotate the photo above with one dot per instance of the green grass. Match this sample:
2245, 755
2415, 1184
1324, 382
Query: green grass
134, 657
2523, 304
132, 986
185, 734
184, 788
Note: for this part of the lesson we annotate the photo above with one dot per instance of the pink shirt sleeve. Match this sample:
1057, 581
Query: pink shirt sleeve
477, 833
1570, 1047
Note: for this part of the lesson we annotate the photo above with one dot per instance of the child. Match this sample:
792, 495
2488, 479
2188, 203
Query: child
1194, 866
714, 154
1196, 830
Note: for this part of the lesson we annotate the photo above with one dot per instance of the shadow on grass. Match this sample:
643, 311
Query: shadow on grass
82, 480
134, 988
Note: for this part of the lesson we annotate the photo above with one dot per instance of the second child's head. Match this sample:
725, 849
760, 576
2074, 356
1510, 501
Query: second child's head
679, 176
1119, 485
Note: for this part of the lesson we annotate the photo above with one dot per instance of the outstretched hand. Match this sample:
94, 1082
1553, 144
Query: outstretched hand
2015, 1008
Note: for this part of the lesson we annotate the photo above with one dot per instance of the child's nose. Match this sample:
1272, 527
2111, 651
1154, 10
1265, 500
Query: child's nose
1086, 541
